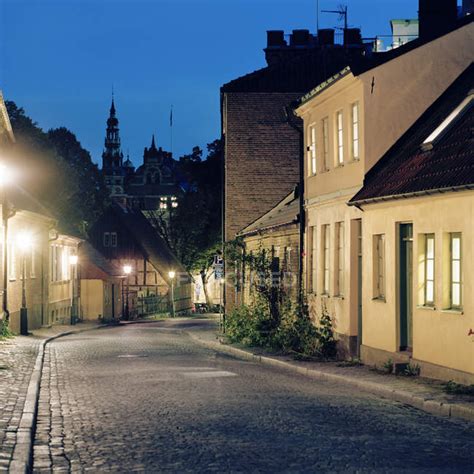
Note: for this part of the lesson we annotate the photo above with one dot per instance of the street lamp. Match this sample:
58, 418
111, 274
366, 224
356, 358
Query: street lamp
25, 243
127, 269
6, 176
73, 260
172, 275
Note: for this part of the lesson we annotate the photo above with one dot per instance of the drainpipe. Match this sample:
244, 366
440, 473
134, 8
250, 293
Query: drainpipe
290, 119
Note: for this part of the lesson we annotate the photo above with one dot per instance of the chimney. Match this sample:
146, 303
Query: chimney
352, 37
275, 38
300, 38
326, 37
436, 17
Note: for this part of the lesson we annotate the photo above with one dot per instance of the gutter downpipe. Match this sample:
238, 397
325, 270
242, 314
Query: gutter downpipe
289, 113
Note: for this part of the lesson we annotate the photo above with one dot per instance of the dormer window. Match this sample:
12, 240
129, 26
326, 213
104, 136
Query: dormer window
447, 123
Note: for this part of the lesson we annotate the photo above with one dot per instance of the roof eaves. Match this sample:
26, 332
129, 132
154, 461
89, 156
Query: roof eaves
426, 192
248, 233
324, 85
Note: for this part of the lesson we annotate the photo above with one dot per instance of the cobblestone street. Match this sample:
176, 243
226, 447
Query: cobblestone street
148, 398
17, 359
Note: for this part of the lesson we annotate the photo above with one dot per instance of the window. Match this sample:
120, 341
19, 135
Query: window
326, 143
355, 131
379, 266
312, 150
163, 202
33, 264
340, 258
312, 263
174, 201
455, 115
113, 239
325, 240
106, 239
455, 271
340, 138
11, 262
429, 269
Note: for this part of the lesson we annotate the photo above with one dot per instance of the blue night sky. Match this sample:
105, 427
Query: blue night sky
59, 59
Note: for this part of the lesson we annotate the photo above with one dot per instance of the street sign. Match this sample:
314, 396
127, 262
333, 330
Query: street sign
218, 266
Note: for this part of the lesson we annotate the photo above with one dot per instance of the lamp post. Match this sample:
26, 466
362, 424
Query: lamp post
172, 275
5, 179
24, 243
73, 260
127, 269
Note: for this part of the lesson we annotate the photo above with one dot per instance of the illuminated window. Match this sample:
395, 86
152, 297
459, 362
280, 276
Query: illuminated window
33, 264
340, 258
340, 138
355, 131
326, 143
11, 262
429, 283
455, 270
379, 266
325, 267
312, 150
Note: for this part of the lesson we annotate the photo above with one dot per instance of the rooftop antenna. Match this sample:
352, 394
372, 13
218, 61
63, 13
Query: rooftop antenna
342, 12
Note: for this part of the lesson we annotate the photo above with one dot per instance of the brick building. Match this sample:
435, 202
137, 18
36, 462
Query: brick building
261, 138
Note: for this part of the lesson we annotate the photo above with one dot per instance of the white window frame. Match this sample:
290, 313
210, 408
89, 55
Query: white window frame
355, 116
312, 149
455, 260
339, 138
326, 234
339, 258
325, 128
106, 239
113, 239
429, 270
379, 266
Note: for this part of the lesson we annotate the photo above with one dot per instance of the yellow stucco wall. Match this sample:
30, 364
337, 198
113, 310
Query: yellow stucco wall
439, 336
92, 299
406, 86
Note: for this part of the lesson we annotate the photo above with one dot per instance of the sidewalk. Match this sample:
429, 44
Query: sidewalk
18, 357
422, 393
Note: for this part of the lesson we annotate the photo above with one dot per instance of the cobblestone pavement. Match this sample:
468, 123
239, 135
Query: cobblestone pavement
17, 360
145, 398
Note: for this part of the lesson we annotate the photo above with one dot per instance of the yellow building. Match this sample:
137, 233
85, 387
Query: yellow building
349, 122
418, 245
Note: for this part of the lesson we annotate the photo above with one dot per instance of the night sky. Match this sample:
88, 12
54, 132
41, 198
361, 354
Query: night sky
59, 59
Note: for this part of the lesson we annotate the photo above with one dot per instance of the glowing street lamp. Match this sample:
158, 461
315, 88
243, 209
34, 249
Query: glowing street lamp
172, 275
127, 270
73, 261
24, 243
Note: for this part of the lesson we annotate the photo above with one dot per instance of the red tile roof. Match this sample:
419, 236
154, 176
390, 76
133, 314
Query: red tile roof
406, 170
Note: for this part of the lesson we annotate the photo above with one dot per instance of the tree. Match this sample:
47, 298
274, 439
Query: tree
57, 172
193, 229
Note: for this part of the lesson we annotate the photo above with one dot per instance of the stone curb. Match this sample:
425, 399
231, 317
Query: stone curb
431, 406
22, 461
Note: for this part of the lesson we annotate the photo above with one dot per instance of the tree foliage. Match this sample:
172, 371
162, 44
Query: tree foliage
58, 172
193, 229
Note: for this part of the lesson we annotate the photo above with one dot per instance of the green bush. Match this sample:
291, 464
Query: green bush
5, 331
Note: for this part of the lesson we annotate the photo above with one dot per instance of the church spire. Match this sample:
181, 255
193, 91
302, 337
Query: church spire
153, 146
112, 157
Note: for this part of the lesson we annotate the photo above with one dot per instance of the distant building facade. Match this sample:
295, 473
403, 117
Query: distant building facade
150, 187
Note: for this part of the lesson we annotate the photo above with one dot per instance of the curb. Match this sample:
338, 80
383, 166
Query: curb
434, 407
22, 461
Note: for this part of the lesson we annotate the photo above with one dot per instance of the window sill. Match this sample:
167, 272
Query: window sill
325, 295
380, 299
354, 160
338, 297
426, 307
452, 311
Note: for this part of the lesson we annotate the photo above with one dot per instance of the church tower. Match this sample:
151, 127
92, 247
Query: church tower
112, 157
